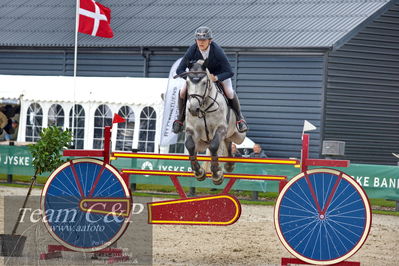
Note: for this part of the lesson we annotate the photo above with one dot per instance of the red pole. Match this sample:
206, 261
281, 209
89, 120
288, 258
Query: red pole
178, 186
228, 186
304, 152
126, 178
107, 143
281, 184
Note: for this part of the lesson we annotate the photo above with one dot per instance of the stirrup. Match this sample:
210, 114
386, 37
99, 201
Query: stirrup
242, 126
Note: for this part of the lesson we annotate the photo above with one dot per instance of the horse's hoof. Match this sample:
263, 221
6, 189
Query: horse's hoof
200, 175
229, 167
218, 179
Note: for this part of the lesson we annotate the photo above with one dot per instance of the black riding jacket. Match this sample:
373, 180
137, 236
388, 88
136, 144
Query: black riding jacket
218, 64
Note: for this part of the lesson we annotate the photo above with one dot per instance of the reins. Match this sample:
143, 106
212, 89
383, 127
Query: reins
182, 75
206, 110
203, 97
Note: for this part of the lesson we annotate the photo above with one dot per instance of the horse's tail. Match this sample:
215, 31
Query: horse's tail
222, 152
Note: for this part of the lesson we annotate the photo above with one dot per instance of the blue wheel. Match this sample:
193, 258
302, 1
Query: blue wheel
322, 216
86, 205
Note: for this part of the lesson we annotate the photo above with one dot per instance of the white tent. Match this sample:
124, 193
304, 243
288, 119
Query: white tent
90, 92
138, 91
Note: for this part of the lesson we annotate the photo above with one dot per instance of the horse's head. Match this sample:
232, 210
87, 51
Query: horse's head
198, 87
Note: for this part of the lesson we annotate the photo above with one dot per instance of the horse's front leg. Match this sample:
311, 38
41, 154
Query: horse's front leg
199, 172
217, 173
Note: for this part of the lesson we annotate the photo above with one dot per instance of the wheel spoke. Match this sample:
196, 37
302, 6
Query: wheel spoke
315, 245
107, 179
332, 242
310, 237
68, 178
306, 199
300, 206
342, 214
345, 228
337, 196
66, 189
346, 205
343, 236
304, 226
295, 221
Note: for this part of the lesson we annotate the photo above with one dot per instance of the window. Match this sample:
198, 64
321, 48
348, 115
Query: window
78, 126
34, 122
56, 116
102, 118
179, 146
124, 135
148, 119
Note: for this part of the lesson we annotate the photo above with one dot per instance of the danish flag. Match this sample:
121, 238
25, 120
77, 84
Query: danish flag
95, 19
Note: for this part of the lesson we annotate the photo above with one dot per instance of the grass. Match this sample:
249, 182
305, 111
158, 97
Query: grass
383, 203
18, 185
393, 213
24, 179
379, 206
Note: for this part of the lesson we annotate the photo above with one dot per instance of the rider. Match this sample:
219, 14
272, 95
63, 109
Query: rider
220, 70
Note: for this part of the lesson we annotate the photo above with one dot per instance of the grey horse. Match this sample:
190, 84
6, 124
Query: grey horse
210, 124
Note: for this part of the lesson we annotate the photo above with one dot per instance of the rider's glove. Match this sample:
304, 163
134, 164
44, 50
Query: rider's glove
213, 77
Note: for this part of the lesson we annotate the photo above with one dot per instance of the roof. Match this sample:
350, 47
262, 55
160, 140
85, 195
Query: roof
58, 89
171, 23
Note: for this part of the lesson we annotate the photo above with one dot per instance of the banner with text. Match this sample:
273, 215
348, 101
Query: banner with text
170, 106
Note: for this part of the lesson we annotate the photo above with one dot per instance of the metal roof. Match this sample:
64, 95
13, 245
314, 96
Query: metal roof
160, 23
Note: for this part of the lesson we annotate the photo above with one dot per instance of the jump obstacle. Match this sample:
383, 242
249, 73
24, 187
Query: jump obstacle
312, 208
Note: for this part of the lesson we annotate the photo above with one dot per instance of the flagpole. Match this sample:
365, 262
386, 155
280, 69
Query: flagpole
76, 38
75, 65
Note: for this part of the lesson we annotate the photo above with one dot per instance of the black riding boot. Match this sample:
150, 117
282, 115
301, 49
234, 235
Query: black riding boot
235, 105
179, 123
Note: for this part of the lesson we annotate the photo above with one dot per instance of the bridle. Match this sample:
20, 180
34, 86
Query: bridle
202, 98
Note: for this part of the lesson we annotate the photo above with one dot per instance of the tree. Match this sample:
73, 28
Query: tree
47, 156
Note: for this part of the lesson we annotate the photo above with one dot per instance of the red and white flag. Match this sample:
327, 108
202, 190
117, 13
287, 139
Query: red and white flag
95, 19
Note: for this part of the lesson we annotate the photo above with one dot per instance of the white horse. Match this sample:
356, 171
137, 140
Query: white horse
210, 123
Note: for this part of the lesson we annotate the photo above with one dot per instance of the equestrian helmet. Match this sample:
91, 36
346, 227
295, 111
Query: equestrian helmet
203, 33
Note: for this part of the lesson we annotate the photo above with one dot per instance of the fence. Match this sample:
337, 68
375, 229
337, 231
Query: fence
379, 181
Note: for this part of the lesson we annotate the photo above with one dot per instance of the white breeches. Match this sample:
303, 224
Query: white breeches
227, 87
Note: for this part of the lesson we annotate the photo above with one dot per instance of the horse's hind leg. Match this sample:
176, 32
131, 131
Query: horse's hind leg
229, 166
199, 172
217, 173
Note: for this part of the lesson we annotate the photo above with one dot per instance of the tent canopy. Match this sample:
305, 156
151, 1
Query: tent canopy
137, 91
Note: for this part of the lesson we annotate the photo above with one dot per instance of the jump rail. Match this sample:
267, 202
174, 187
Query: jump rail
204, 158
191, 174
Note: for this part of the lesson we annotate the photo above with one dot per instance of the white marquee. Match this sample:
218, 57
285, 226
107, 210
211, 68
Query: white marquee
90, 92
